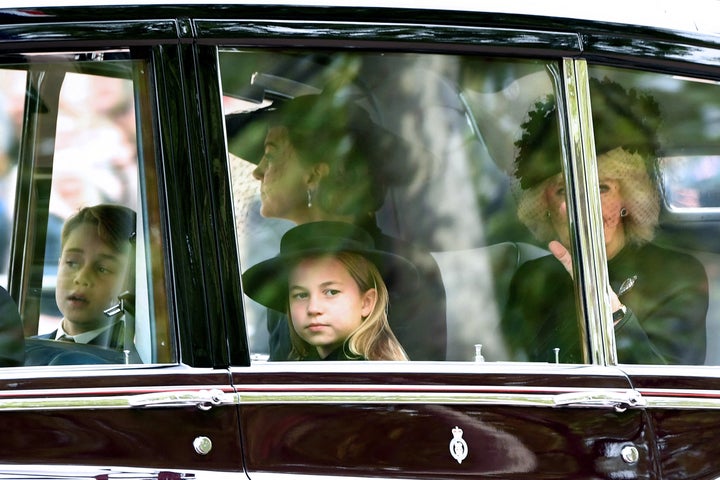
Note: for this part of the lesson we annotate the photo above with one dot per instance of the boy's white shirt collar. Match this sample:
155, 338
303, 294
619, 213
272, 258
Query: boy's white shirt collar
85, 337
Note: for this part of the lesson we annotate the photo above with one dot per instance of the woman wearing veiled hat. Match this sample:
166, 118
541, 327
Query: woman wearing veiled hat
659, 297
322, 158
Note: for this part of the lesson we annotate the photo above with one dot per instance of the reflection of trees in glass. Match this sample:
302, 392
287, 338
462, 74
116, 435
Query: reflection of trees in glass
455, 202
690, 108
689, 133
499, 94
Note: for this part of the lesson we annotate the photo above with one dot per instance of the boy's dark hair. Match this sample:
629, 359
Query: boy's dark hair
115, 224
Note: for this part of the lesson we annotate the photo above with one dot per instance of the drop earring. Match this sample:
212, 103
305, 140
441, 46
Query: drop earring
309, 198
623, 212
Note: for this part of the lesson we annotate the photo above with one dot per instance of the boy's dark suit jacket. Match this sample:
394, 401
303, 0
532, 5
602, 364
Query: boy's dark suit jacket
105, 348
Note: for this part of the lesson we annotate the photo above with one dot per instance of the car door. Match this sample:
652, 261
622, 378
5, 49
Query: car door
682, 397
93, 113
455, 95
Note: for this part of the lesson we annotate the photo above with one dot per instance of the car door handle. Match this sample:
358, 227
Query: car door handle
202, 399
620, 400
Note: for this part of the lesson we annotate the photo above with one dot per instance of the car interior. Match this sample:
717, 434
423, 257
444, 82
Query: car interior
458, 202
71, 141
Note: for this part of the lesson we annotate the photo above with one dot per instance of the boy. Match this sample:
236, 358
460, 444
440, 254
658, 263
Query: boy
96, 266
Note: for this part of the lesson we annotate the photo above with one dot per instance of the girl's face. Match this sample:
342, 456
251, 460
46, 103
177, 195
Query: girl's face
91, 275
611, 201
283, 180
326, 304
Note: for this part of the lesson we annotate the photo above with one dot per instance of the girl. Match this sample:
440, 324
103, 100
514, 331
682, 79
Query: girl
327, 278
322, 158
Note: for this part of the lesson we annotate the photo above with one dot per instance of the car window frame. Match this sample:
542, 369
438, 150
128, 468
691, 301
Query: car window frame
580, 163
484, 40
188, 333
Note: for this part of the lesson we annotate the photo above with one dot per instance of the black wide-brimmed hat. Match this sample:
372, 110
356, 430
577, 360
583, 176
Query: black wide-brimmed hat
621, 118
267, 281
327, 128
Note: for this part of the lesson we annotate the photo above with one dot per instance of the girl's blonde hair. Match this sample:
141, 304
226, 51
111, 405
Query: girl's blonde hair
373, 339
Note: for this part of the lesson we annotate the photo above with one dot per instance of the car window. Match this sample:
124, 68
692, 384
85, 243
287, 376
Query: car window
447, 187
12, 99
675, 284
74, 156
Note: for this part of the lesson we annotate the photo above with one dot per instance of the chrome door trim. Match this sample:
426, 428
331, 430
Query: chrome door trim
254, 475
462, 396
110, 398
681, 399
126, 473
334, 394
206, 399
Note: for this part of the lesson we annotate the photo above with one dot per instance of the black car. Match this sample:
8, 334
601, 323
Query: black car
496, 141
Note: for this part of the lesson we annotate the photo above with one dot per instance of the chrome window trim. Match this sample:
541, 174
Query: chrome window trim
388, 34
255, 475
584, 207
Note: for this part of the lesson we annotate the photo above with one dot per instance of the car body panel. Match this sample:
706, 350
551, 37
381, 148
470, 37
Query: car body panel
403, 423
95, 418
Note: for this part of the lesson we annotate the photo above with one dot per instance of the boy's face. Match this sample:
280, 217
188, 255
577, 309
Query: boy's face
91, 275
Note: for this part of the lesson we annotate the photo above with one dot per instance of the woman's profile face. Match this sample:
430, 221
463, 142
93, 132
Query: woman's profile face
283, 180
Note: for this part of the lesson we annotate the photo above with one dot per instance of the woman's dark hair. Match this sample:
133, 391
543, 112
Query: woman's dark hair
363, 158
334, 130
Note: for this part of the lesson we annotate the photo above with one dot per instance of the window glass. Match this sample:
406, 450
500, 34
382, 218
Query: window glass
658, 143
12, 86
80, 263
417, 150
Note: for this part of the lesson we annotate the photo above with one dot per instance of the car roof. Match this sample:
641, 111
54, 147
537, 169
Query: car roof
688, 15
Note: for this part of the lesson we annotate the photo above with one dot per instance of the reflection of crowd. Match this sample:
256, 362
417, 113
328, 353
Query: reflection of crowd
11, 108
691, 182
95, 155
